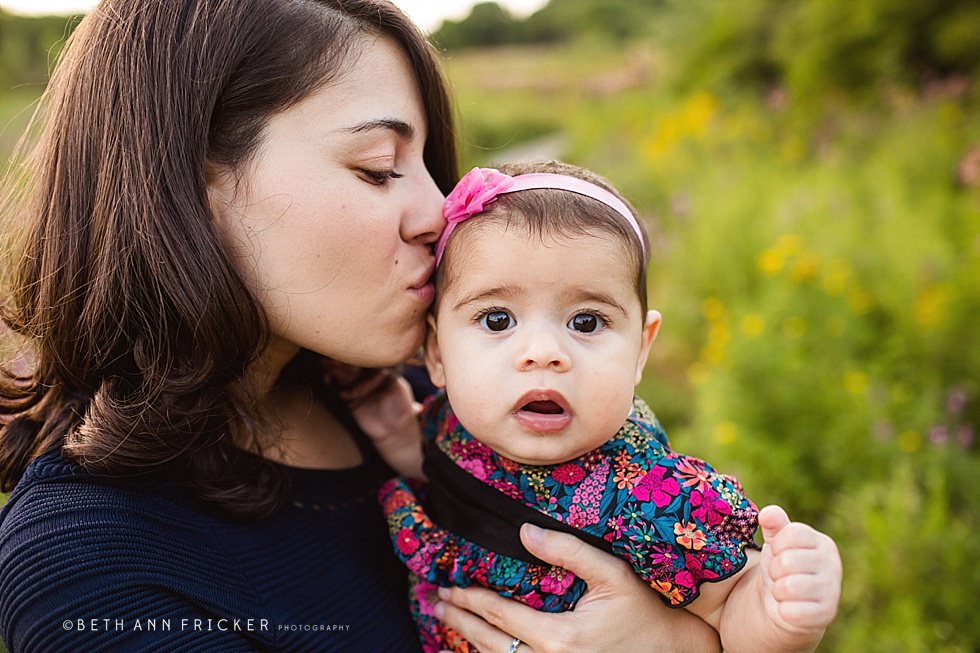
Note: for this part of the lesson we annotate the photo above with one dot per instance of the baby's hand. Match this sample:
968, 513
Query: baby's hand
382, 404
801, 571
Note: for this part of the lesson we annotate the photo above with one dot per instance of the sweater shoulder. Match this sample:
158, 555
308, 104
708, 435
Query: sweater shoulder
75, 545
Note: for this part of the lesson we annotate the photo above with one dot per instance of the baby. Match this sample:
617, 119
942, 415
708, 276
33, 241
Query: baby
539, 335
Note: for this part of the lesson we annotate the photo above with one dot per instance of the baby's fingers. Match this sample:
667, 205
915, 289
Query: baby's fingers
805, 587
807, 615
801, 561
797, 535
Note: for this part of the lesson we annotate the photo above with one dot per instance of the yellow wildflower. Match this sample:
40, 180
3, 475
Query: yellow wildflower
697, 373
856, 382
837, 274
712, 308
788, 244
753, 325
930, 306
805, 268
770, 262
725, 432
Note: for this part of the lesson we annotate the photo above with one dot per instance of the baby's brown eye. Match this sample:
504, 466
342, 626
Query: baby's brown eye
585, 323
497, 320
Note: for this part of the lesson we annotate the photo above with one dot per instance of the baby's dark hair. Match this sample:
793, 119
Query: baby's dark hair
550, 212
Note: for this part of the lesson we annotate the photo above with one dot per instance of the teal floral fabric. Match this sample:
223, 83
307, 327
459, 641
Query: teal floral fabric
676, 520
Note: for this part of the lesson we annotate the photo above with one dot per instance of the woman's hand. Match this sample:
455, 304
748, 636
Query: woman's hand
619, 612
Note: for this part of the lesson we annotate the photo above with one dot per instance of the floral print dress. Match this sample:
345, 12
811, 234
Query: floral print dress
677, 521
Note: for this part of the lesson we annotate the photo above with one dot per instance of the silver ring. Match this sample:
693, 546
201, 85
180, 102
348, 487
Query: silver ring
514, 645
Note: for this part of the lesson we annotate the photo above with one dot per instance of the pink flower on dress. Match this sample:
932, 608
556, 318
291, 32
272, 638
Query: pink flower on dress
532, 599
407, 541
657, 487
709, 507
693, 473
616, 528
684, 579
568, 473
663, 556
474, 466
584, 510
557, 581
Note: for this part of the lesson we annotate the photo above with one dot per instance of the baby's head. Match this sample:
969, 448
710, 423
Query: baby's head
547, 214
540, 328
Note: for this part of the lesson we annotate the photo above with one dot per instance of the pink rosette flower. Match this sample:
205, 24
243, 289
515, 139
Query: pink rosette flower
473, 192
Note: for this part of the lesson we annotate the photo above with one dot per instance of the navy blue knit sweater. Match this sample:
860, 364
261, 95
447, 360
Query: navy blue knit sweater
89, 563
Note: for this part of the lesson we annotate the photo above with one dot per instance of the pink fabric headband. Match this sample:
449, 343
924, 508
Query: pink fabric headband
481, 186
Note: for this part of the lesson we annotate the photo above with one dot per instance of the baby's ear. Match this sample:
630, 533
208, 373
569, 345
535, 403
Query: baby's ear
433, 359
650, 330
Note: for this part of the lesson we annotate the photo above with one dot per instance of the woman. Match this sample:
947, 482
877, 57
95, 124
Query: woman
224, 193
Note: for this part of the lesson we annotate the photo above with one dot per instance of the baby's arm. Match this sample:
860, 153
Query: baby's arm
784, 598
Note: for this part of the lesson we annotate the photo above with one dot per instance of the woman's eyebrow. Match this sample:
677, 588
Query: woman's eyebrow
400, 127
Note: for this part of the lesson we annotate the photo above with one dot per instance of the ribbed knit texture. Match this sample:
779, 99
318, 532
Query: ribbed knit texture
79, 547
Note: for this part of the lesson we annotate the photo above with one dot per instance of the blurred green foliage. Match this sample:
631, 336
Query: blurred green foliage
28, 47
489, 24
804, 169
816, 257
807, 47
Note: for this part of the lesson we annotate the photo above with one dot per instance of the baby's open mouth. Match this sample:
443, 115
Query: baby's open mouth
543, 407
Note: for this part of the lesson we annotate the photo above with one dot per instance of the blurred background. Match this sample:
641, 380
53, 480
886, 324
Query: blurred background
809, 171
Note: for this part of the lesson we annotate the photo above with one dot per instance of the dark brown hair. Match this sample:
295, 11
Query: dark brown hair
543, 213
134, 325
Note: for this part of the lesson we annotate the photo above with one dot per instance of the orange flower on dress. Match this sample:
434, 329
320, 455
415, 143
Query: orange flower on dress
666, 588
689, 536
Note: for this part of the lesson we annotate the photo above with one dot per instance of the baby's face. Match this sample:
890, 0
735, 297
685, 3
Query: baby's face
540, 344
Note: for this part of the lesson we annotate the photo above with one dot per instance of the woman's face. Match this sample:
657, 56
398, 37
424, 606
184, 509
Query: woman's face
331, 222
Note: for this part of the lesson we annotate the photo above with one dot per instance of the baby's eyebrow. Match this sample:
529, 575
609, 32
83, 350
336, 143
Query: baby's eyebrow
504, 292
598, 297
400, 127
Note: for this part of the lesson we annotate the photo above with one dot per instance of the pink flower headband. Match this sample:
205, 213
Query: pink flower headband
481, 186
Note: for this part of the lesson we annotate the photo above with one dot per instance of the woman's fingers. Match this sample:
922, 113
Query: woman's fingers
486, 619
596, 567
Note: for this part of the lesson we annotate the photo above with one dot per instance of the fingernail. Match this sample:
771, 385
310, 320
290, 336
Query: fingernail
443, 593
439, 610
532, 533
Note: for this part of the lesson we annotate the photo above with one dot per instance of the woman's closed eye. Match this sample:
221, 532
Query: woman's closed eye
587, 322
380, 177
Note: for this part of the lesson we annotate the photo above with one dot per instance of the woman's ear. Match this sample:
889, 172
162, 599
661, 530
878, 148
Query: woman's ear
433, 359
650, 330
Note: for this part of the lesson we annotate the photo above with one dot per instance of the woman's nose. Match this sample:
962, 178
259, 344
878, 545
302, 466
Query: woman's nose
424, 223
542, 349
